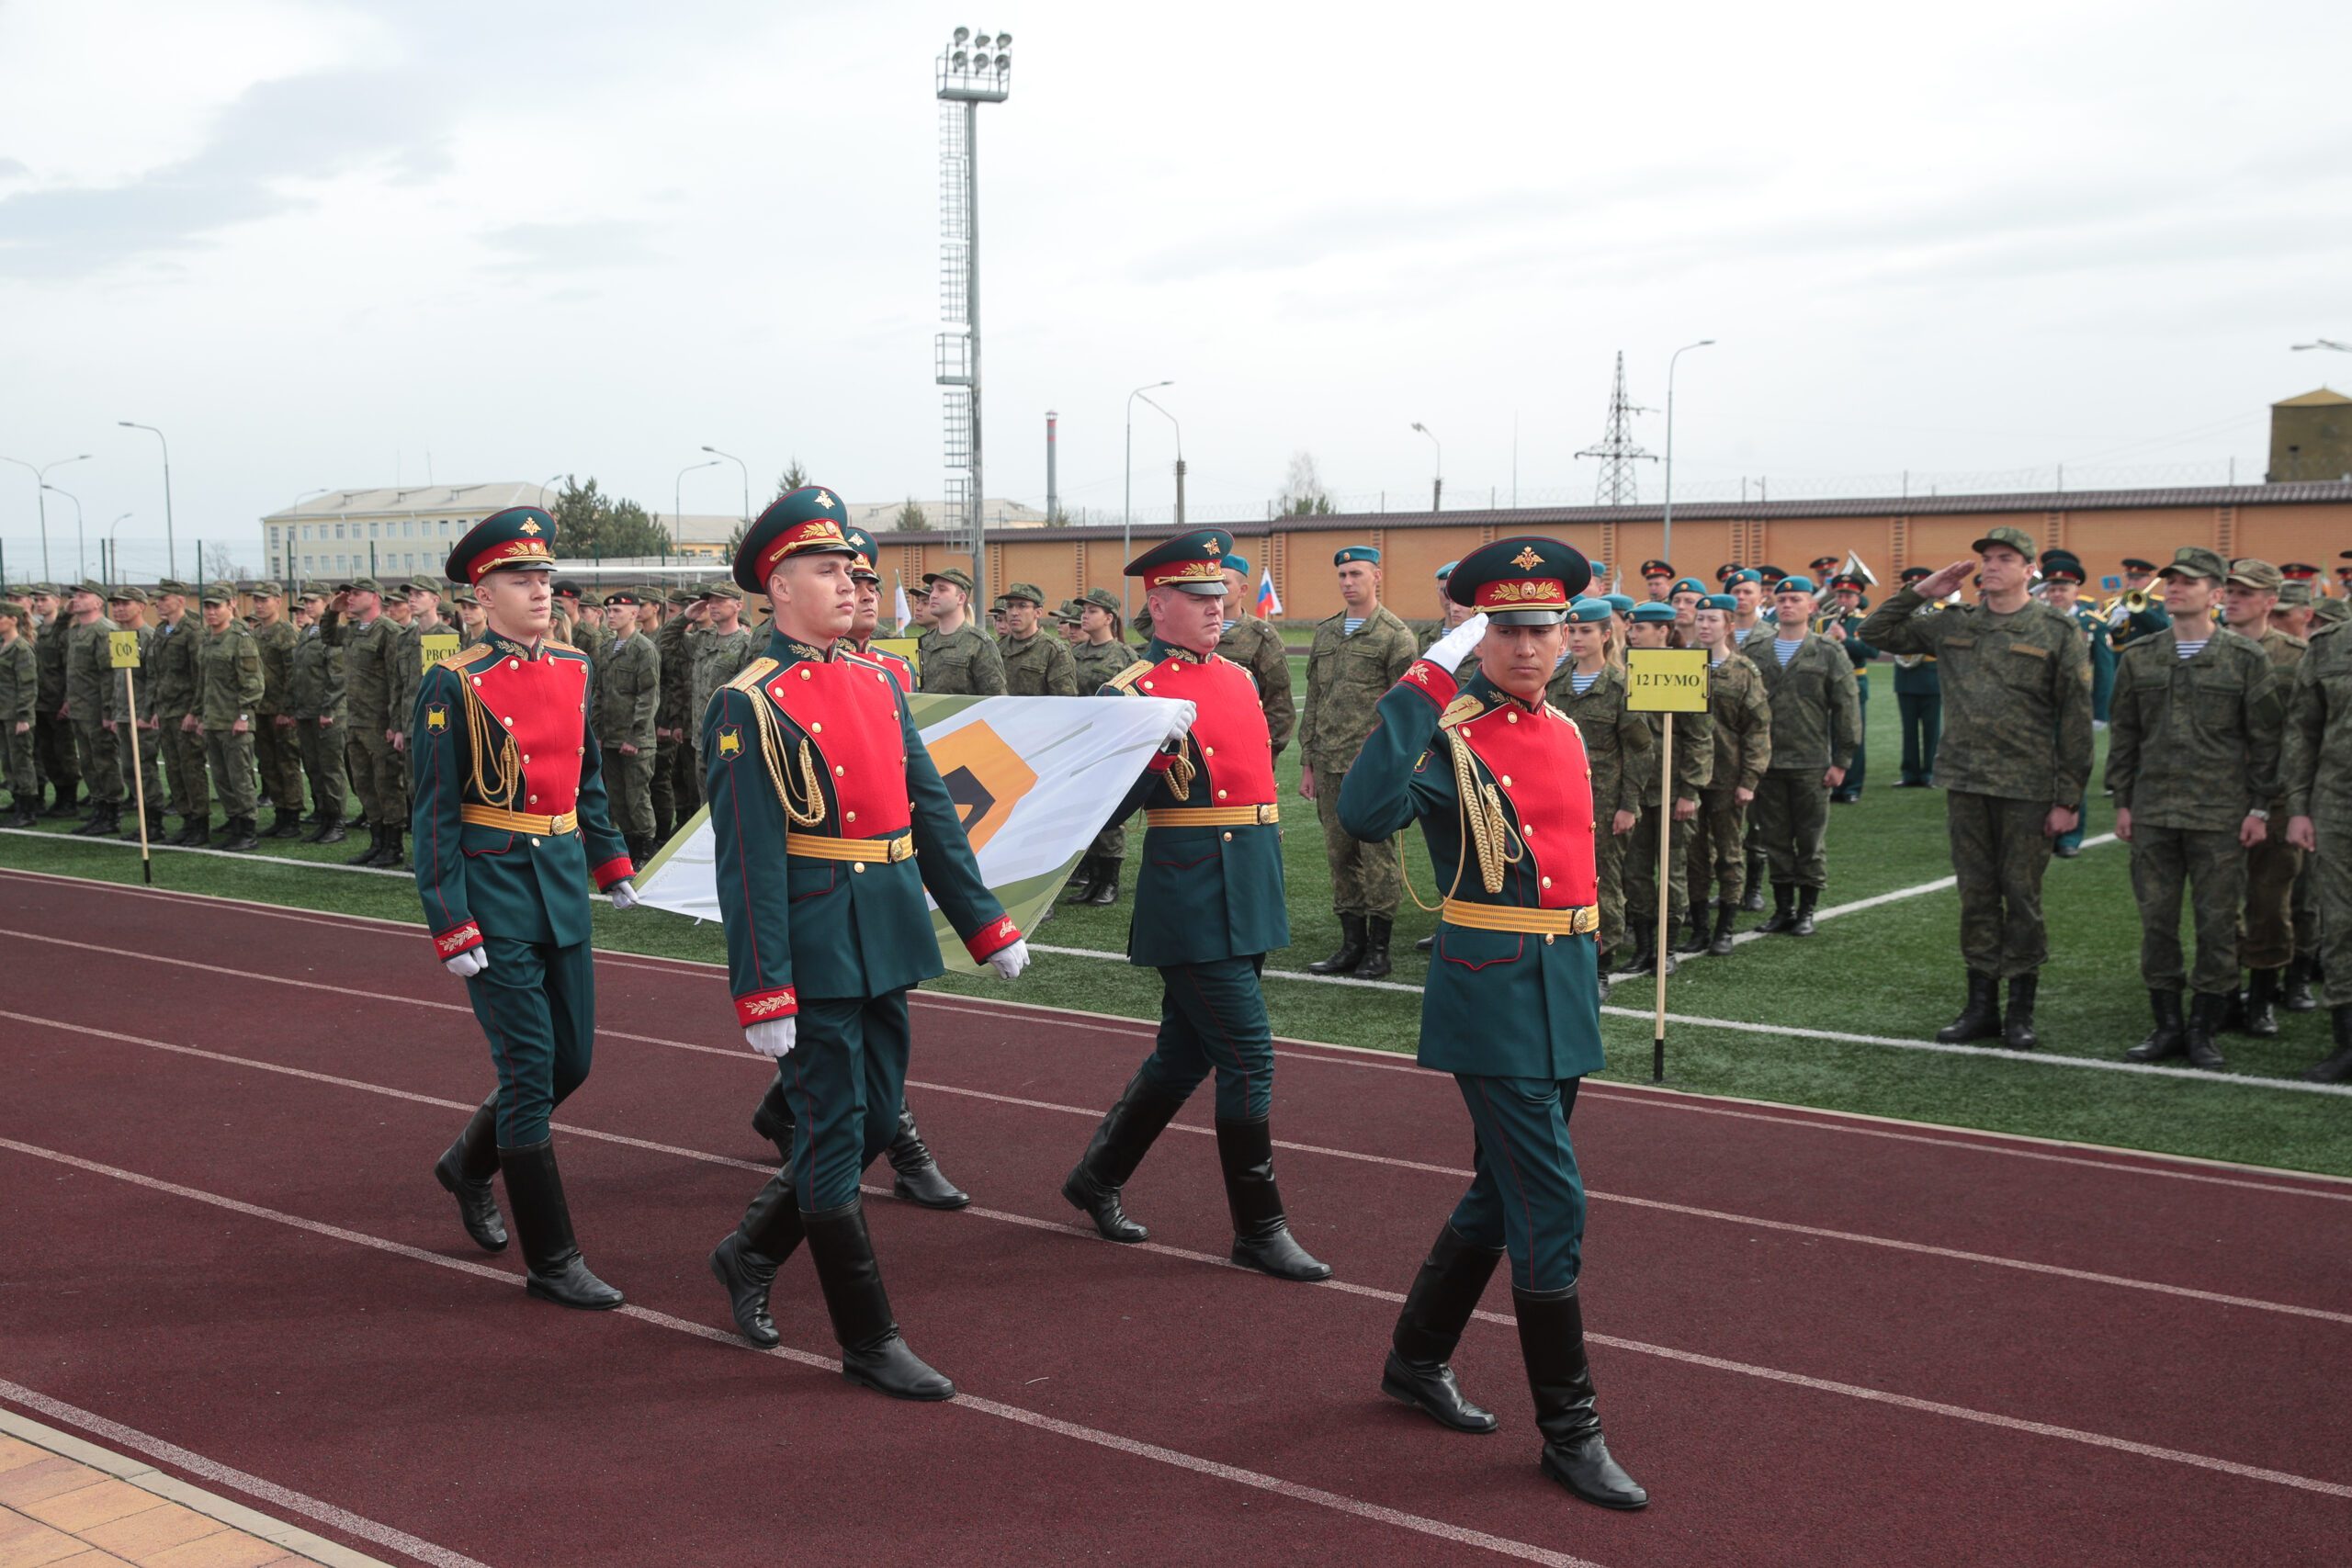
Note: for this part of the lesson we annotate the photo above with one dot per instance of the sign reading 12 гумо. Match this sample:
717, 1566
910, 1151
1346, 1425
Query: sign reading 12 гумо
1666, 680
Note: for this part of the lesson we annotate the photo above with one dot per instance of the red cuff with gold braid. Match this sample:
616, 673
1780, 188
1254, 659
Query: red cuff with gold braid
457, 940
1432, 681
761, 1007
994, 937
612, 871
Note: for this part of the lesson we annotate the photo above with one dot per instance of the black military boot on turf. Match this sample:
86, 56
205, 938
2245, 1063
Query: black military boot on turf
239, 836
1980, 1016
1757, 867
1807, 898
1105, 890
2204, 1023
2337, 1065
771, 1118
1551, 1340
284, 824
1374, 963
1126, 1135
104, 819
464, 1171
1720, 944
1445, 1293
1350, 951
2016, 1024
1261, 1238
872, 1354
2170, 1036
1695, 939
919, 1179
1642, 960
1784, 917
746, 1262
2258, 1014
373, 852
393, 840
62, 805
1426, 943
330, 832
1082, 874
543, 1226
2295, 989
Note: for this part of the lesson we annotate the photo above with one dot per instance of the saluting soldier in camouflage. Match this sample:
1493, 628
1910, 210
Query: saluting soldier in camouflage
52, 731
1740, 718
89, 692
2192, 761
367, 640
1255, 645
957, 657
1590, 689
627, 695
2318, 773
19, 699
675, 790
2266, 935
316, 700
1036, 662
180, 636
1694, 768
1358, 655
1816, 724
277, 750
229, 688
127, 607
1098, 654
2016, 756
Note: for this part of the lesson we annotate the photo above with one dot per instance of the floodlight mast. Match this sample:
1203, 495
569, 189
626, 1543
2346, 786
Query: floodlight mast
970, 76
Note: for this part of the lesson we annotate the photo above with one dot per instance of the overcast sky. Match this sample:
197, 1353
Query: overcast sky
315, 243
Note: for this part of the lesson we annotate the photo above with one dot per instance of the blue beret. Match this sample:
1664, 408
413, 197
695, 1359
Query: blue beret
1687, 585
1723, 602
1447, 569
1654, 612
1745, 574
1590, 610
1795, 584
1237, 563
1621, 603
1356, 552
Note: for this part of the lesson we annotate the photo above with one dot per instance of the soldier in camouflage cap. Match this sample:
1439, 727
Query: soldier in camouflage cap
958, 659
1816, 724
229, 694
19, 694
52, 731
315, 699
180, 636
2318, 776
2267, 933
89, 684
1098, 654
1036, 665
138, 735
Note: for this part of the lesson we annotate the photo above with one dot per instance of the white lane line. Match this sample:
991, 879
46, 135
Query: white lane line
1114, 1442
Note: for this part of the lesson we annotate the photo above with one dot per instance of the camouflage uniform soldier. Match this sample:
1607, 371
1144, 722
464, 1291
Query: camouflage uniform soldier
172, 671
1258, 648
586, 629
1816, 723
89, 692
675, 790
627, 695
53, 732
127, 607
1358, 655
2266, 936
19, 699
1591, 691
277, 750
2015, 676
1694, 768
957, 657
1099, 653
724, 646
378, 774
1741, 718
315, 699
229, 689
1426, 634
2192, 761
2318, 769
1036, 662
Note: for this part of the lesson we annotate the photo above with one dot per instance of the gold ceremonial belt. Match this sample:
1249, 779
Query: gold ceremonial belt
1582, 919
865, 852
1212, 815
520, 821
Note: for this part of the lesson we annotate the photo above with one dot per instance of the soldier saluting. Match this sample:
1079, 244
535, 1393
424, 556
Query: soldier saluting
1497, 778
511, 824
830, 821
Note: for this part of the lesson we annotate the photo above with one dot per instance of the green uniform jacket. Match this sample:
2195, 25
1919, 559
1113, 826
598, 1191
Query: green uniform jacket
171, 667
50, 649
628, 691
676, 710
89, 677
408, 662
19, 681
2017, 691
1617, 744
368, 653
1816, 712
965, 662
1694, 753
1095, 663
1498, 1004
800, 926
1346, 678
1258, 648
143, 685
316, 689
1741, 718
229, 680
1040, 667
2318, 765
276, 644
2194, 743
718, 659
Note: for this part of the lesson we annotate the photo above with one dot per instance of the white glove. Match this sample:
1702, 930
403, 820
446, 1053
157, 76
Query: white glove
1448, 651
1179, 723
467, 965
1009, 962
774, 1039
624, 896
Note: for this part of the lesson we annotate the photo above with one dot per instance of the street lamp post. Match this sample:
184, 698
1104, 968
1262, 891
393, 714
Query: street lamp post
1666, 544
747, 480
676, 538
543, 489
1127, 510
171, 548
1437, 475
114, 550
40, 479
81, 550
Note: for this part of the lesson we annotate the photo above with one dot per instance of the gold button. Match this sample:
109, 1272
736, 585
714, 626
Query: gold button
851, 816
1510, 719
515, 664
534, 844
1228, 837
839, 770
1146, 685
534, 800
507, 722
1220, 795
1547, 939
857, 865
580, 751
527, 756
1506, 781
477, 680
1465, 732
804, 673
816, 729
1208, 751
1547, 882
1528, 829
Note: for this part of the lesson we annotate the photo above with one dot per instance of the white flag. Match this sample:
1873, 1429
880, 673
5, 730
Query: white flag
900, 609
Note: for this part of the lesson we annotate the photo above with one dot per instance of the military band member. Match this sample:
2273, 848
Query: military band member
2016, 683
2318, 770
2192, 761
1101, 653
511, 826
1589, 687
959, 658
1253, 643
19, 699
1035, 665
1741, 718
1511, 1006
317, 704
52, 730
229, 693
1816, 723
1358, 654
830, 821
89, 691
172, 670
2137, 612
1657, 579
1918, 700
2266, 936
1694, 767
1208, 910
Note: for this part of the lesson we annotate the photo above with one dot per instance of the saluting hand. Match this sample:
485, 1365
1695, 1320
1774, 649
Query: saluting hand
1450, 650
1943, 584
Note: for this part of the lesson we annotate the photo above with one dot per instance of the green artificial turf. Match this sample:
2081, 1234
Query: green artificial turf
1890, 971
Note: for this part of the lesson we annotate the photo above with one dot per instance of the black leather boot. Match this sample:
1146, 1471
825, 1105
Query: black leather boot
374, 850
1350, 951
872, 1354
1081, 875
239, 836
1140, 1115
320, 822
330, 831
771, 1118
2016, 1024
2295, 991
1980, 1016
1105, 890
2204, 1023
1719, 945
464, 1171
1643, 930
2169, 1038
746, 1262
1261, 1238
286, 823
104, 819
1757, 867
2259, 1019
1695, 939
543, 1224
1551, 1340
1784, 917
193, 832
1445, 1293
919, 1179
2337, 1068
1375, 965
1426, 943
393, 840
1807, 898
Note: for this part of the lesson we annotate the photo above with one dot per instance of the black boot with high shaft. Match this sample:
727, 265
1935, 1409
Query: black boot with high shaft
745, 1263
874, 1355
543, 1223
1445, 1293
1124, 1136
464, 1171
1261, 1238
1551, 1339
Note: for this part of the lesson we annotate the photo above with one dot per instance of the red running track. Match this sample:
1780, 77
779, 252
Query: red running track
1820, 1338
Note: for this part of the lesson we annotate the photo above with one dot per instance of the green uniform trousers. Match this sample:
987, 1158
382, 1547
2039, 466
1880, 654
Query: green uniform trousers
1609, 871
629, 782
1791, 814
95, 747
381, 774
1525, 1194
844, 1079
675, 790
359, 768
2307, 925
537, 1003
2209, 865
2331, 872
277, 754
1640, 872
1853, 783
1998, 854
1366, 879
16, 770
322, 760
1110, 843
54, 754
150, 766
1213, 1017
229, 758
2266, 940
184, 765
1718, 853
1922, 714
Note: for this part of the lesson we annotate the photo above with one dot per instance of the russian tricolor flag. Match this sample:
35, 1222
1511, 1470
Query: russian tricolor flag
1269, 604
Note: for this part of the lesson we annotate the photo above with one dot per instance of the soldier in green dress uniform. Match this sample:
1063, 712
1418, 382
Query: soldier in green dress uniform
1099, 653
1511, 1005
229, 692
1918, 701
2063, 577
1208, 910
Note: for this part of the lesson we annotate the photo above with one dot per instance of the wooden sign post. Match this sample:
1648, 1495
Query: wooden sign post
122, 653
1665, 681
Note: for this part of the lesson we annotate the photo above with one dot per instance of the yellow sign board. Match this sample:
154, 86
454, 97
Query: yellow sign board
1666, 680
122, 649
437, 646
906, 647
